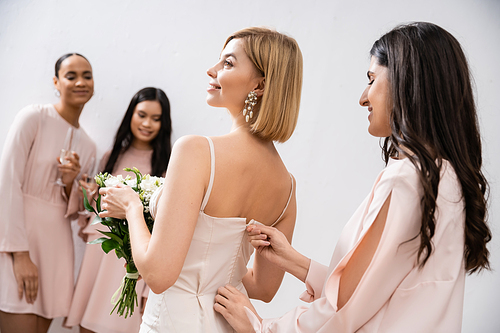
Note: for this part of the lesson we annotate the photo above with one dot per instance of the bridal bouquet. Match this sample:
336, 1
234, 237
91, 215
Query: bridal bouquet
118, 237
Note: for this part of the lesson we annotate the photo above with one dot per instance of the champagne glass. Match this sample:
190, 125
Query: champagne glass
70, 142
91, 172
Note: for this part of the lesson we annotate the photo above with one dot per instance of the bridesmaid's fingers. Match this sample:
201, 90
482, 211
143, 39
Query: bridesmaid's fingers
29, 290
67, 168
262, 229
32, 288
232, 289
228, 291
84, 184
74, 158
35, 289
20, 289
259, 243
221, 300
223, 292
83, 235
257, 237
27, 294
253, 228
259, 232
220, 309
258, 240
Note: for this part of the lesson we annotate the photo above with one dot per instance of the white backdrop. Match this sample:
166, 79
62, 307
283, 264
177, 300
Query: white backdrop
170, 44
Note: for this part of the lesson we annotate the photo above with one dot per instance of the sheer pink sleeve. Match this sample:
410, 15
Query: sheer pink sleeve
15, 154
394, 259
315, 281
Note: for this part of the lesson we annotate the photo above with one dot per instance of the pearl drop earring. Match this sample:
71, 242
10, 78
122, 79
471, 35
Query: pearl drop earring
250, 102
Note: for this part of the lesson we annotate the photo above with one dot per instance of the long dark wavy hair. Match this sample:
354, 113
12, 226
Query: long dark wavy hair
161, 144
434, 116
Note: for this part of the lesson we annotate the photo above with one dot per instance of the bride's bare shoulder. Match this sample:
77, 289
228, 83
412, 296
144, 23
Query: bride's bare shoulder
190, 142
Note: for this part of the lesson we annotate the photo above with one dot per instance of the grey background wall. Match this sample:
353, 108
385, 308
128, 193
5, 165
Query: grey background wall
170, 44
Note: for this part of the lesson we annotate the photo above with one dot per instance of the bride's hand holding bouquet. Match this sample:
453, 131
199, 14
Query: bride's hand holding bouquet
118, 200
122, 200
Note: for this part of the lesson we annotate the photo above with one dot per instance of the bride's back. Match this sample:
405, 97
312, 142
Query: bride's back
215, 186
250, 180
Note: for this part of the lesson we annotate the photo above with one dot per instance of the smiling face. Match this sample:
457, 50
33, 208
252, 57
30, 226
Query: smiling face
75, 82
377, 98
145, 124
232, 78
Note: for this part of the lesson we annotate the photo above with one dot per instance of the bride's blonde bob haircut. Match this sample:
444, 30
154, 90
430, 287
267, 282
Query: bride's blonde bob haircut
278, 59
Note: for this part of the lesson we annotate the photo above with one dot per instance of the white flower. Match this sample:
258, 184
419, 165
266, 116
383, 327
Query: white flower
113, 181
131, 182
148, 183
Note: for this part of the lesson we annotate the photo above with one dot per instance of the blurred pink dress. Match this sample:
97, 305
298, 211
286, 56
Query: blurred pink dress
101, 274
35, 213
394, 295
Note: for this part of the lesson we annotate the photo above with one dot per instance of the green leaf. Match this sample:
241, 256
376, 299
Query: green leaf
112, 236
110, 222
119, 253
98, 240
138, 176
86, 203
109, 244
123, 228
96, 220
98, 203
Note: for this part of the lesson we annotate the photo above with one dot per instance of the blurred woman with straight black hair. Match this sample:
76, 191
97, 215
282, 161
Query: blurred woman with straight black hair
401, 260
38, 178
142, 141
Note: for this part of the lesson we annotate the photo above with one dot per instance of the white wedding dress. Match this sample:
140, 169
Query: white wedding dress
218, 255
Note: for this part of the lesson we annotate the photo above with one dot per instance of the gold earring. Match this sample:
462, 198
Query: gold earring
250, 102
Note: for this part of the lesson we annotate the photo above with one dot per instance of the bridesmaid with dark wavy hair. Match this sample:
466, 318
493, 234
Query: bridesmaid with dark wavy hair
142, 141
401, 261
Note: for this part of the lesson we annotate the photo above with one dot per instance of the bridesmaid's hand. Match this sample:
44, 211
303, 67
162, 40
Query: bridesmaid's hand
273, 245
26, 274
90, 187
70, 170
118, 200
231, 303
270, 243
84, 236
